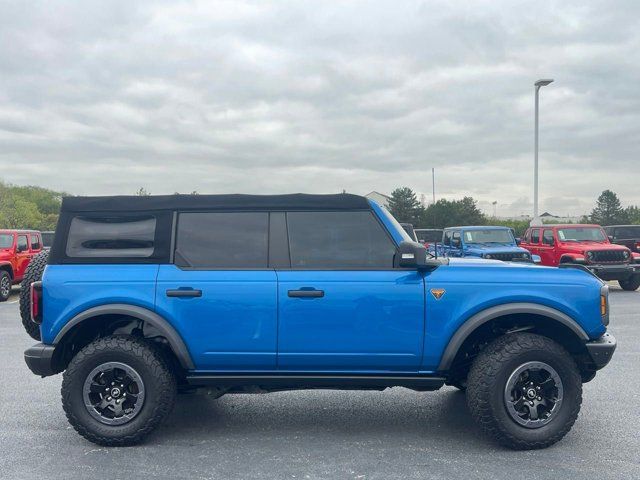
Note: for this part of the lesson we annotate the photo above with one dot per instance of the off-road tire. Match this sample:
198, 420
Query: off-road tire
489, 375
630, 284
33, 273
148, 362
4, 277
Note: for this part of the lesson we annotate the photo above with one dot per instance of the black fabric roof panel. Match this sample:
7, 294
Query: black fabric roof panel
296, 201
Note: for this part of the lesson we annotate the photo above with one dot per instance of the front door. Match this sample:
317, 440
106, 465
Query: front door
219, 293
342, 306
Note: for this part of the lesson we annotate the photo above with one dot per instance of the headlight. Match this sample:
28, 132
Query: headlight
625, 254
525, 255
487, 255
590, 255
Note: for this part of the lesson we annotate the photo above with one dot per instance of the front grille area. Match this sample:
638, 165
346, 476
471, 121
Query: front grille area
606, 256
506, 257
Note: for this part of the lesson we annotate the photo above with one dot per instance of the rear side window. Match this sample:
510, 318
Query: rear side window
222, 240
35, 242
535, 235
338, 240
104, 237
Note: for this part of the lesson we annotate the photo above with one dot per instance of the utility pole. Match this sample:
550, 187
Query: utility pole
536, 222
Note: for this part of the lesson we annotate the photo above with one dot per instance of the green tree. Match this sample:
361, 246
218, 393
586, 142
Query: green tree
28, 207
451, 213
608, 210
142, 192
404, 205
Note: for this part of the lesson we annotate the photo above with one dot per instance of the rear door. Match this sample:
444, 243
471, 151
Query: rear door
23, 255
342, 306
547, 248
220, 292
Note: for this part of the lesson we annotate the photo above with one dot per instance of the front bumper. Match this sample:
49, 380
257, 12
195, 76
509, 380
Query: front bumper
601, 350
615, 272
39, 359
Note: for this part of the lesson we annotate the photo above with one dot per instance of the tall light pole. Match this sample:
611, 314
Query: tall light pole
536, 222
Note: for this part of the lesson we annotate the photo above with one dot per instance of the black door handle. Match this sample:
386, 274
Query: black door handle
306, 293
184, 292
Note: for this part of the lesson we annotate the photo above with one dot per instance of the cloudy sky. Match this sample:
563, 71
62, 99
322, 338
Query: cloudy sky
105, 97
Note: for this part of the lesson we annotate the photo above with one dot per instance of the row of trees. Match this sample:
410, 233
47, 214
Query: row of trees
28, 207
405, 206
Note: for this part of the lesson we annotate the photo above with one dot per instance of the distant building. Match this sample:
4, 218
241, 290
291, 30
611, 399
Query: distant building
546, 217
379, 198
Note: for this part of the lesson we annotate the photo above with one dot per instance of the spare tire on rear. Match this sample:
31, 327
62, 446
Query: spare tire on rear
32, 274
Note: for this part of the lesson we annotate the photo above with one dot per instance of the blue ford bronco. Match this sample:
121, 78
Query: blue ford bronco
146, 297
489, 242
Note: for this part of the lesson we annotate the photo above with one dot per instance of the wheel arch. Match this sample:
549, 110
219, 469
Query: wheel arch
511, 310
8, 268
126, 311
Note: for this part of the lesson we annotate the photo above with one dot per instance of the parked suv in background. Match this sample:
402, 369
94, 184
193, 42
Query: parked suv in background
17, 248
586, 245
47, 239
146, 296
488, 242
428, 236
626, 235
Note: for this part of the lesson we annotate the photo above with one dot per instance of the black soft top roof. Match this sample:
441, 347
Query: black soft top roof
296, 201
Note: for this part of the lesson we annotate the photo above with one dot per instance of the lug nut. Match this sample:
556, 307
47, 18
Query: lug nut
539, 398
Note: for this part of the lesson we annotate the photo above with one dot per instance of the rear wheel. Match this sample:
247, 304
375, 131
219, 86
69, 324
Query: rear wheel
630, 284
117, 390
5, 285
525, 391
33, 273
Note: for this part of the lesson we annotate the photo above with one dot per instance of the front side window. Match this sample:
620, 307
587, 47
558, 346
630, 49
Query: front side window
447, 237
109, 237
222, 240
338, 240
35, 242
6, 240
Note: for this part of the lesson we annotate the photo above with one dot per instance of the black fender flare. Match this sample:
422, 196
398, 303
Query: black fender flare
173, 337
8, 267
480, 318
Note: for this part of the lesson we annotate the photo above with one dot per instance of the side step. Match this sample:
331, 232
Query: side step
299, 382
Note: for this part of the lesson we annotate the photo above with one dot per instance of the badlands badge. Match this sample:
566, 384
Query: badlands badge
438, 293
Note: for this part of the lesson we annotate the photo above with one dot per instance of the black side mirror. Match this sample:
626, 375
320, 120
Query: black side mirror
414, 255
610, 238
518, 240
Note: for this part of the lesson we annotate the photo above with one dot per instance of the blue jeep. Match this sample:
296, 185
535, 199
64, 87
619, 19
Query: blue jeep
145, 297
497, 243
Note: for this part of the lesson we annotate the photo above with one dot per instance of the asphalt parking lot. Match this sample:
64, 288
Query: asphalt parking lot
321, 434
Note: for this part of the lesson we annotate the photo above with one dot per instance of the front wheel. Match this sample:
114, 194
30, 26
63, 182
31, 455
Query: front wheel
525, 391
5, 285
630, 284
117, 389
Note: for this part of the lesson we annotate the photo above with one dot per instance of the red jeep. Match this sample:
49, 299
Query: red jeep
17, 248
586, 245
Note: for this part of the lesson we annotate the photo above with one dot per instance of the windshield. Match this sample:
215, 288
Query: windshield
587, 234
396, 224
488, 236
429, 236
628, 232
6, 240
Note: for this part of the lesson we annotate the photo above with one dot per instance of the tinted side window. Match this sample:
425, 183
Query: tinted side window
547, 237
447, 238
222, 240
105, 237
35, 242
338, 240
22, 242
535, 236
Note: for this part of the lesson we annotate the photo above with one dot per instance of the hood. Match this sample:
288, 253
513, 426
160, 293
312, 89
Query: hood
496, 248
581, 247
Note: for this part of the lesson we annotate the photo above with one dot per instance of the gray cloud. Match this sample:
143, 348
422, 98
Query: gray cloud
105, 97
